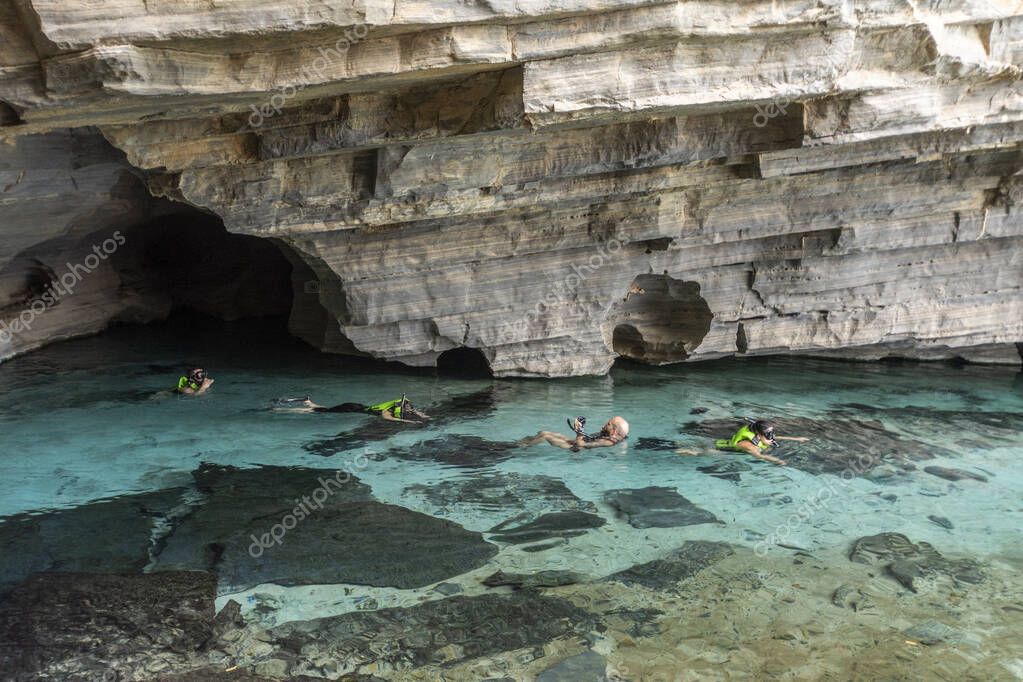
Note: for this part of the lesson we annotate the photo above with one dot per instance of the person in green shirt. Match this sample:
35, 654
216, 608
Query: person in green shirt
755, 438
399, 409
196, 382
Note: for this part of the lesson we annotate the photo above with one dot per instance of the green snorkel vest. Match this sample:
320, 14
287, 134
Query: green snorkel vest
184, 383
393, 405
745, 433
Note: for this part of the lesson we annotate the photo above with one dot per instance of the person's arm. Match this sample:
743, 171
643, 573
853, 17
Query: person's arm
206, 383
389, 416
751, 449
798, 439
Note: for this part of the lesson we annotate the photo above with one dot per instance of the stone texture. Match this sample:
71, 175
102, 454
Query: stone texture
399, 638
555, 184
341, 536
107, 536
657, 507
681, 564
86, 626
914, 564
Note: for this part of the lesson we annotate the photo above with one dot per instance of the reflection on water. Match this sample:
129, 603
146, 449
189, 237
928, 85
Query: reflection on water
95, 450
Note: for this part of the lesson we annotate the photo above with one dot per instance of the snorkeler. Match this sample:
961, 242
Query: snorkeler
613, 432
399, 409
753, 438
194, 383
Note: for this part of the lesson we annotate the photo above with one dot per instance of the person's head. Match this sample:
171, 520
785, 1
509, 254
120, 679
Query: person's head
617, 428
197, 375
764, 428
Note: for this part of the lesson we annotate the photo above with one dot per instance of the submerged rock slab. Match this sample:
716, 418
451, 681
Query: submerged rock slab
102, 537
909, 562
953, 474
551, 526
467, 452
234, 497
589, 666
102, 627
365, 543
298, 526
550, 578
440, 632
835, 446
685, 562
657, 507
501, 491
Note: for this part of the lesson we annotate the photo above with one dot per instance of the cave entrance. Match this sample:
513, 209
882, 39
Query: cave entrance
188, 261
466, 363
660, 320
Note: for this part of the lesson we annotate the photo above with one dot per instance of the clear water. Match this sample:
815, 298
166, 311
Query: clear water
80, 423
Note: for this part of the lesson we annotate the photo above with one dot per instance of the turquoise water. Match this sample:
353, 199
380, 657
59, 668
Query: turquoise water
83, 421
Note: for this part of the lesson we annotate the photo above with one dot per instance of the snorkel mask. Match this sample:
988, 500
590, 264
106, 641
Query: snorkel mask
197, 376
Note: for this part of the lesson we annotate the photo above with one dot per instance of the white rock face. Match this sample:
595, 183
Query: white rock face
560, 183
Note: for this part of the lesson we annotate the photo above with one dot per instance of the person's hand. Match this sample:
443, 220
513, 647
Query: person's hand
207, 381
781, 462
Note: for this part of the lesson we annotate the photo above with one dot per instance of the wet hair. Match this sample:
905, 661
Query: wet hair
763, 426
197, 375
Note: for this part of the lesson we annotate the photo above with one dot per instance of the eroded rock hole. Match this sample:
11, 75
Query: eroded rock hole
660, 320
9, 116
463, 362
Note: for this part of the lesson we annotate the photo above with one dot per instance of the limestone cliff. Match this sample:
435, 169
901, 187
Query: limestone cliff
554, 183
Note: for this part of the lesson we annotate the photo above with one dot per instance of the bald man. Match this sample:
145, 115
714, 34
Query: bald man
612, 433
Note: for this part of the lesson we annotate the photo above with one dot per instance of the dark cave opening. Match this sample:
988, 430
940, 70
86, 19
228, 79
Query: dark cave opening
462, 362
189, 261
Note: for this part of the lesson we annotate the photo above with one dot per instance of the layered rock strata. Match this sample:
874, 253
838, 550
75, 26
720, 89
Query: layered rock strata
557, 184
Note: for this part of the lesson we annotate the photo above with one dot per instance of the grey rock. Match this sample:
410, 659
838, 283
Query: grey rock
550, 578
108, 536
932, 632
589, 666
447, 589
847, 596
941, 521
500, 491
685, 562
546, 527
908, 562
657, 507
952, 474
344, 537
74, 625
443, 632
